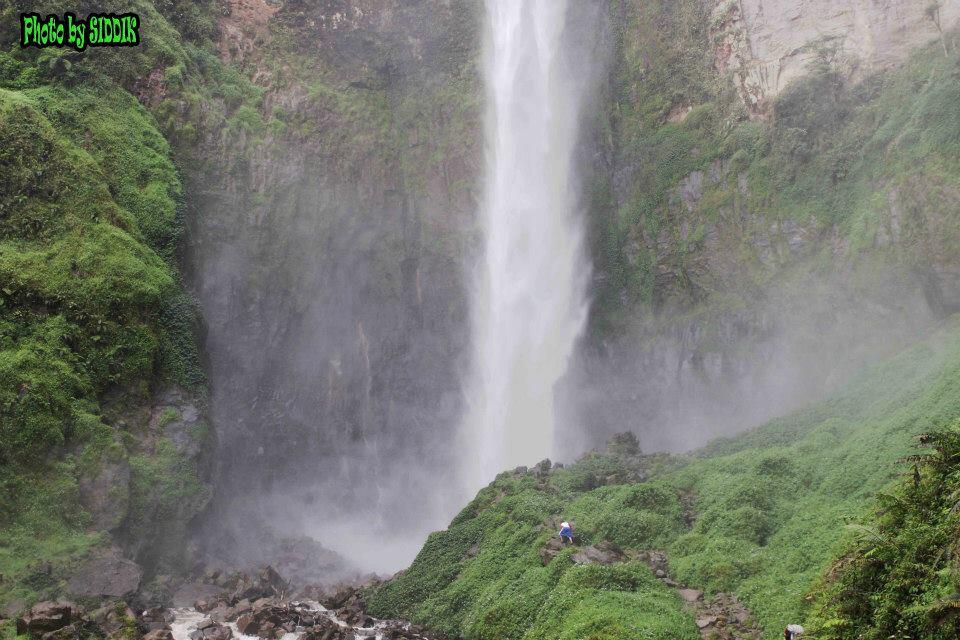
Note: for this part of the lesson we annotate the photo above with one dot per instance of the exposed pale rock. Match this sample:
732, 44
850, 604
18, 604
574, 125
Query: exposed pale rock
769, 43
706, 621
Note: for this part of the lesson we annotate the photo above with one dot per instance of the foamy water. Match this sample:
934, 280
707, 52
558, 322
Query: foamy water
187, 619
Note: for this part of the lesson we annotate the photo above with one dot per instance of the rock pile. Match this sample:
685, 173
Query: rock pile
47, 617
232, 606
721, 617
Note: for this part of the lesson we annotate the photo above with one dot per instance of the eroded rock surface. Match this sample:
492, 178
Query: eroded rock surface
106, 573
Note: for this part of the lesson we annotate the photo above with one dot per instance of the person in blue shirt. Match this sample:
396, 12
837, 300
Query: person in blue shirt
566, 532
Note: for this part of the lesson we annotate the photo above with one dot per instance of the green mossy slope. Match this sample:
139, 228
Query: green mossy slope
770, 509
94, 320
901, 578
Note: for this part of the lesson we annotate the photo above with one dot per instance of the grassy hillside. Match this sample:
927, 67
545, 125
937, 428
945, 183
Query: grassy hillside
771, 509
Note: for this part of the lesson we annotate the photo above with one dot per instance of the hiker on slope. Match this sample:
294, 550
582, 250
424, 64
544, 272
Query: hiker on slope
566, 532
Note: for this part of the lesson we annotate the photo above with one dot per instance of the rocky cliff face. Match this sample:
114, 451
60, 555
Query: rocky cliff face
767, 44
771, 209
329, 258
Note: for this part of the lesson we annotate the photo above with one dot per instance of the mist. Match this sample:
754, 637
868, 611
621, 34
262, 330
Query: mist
679, 385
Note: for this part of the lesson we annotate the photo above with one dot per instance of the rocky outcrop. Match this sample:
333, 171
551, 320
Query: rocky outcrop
603, 552
720, 617
105, 574
326, 258
114, 620
766, 44
178, 417
210, 630
105, 490
45, 617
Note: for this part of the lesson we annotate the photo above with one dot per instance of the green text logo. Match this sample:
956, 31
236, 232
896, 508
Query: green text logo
96, 30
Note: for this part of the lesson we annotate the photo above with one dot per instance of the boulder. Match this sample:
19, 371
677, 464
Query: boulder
113, 618
269, 579
209, 630
338, 597
105, 573
326, 630
156, 618
705, 621
550, 550
220, 613
242, 607
159, 634
205, 606
248, 625
542, 468
47, 616
690, 595
601, 553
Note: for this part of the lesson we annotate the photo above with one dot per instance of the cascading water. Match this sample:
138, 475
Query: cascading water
528, 303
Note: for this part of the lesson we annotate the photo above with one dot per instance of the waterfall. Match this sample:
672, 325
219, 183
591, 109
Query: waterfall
528, 300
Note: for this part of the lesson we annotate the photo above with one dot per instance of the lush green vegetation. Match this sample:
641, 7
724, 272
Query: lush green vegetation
770, 512
484, 577
93, 318
901, 578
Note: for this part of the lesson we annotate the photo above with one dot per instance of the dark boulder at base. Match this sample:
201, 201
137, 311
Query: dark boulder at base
326, 630
209, 630
159, 634
269, 579
338, 596
44, 617
105, 573
248, 625
156, 619
114, 619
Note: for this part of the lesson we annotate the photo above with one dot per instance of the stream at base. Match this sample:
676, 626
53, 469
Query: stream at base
189, 623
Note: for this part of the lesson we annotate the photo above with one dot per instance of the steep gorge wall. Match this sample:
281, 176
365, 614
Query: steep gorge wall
329, 261
767, 44
756, 244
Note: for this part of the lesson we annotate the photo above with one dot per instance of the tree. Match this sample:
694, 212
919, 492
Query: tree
933, 13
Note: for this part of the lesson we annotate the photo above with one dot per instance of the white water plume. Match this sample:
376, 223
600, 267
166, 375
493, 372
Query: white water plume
528, 304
